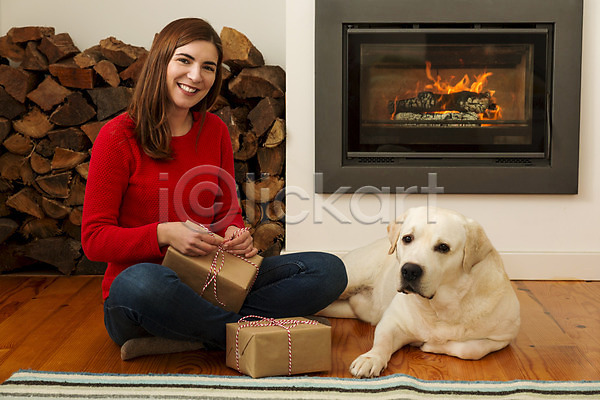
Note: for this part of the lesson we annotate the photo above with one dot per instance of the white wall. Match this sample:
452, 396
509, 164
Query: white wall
136, 21
539, 236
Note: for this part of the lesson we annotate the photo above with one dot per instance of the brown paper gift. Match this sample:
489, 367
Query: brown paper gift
264, 349
231, 283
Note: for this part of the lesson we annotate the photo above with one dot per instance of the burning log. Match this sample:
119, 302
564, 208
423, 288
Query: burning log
431, 102
449, 116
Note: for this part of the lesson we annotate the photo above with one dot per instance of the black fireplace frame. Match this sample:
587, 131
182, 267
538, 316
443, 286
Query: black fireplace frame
557, 174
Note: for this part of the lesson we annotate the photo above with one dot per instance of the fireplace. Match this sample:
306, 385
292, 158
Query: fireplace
488, 100
447, 92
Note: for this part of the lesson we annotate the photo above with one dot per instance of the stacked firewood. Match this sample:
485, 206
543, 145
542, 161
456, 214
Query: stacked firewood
54, 99
252, 104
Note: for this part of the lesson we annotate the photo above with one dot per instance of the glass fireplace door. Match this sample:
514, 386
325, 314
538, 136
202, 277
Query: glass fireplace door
447, 93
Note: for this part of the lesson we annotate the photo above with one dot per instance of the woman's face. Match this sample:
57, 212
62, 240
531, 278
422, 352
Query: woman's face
191, 73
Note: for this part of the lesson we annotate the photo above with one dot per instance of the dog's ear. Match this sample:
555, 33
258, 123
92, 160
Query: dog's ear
393, 229
477, 246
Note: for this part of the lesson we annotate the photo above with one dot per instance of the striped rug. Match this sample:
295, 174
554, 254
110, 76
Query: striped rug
62, 385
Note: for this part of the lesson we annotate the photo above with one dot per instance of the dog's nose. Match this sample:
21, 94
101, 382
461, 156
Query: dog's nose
411, 272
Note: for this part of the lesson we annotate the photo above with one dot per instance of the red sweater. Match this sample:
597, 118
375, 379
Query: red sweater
128, 193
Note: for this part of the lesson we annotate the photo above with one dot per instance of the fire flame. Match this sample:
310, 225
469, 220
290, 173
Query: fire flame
462, 85
440, 86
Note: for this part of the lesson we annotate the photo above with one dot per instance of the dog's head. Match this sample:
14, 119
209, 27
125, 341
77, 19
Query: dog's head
434, 247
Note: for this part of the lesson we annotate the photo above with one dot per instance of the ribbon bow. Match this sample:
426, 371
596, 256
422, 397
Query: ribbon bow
214, 271
286, 324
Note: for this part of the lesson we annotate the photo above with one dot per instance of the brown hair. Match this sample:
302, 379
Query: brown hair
150, 101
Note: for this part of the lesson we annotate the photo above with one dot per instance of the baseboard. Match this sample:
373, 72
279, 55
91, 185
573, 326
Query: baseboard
583, 266
552, 266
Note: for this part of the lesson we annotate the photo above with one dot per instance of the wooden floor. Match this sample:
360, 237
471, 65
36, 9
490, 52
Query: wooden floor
56, 323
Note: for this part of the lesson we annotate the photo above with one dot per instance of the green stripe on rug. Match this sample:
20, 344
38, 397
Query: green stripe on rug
65, 385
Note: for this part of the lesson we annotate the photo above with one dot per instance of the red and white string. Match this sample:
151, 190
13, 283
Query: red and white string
214, 270
286, 324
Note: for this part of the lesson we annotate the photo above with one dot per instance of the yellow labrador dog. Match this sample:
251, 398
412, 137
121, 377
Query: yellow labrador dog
437, 284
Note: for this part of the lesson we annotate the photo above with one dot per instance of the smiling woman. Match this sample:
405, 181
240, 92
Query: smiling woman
180, 52
191, 74
168, 160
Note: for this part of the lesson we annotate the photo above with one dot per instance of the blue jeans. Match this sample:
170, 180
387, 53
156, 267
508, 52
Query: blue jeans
150, 300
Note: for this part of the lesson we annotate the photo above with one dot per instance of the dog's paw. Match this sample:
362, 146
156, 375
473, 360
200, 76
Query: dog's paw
367, 366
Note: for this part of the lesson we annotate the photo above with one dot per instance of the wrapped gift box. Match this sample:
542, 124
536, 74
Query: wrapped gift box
233, 281
266, 350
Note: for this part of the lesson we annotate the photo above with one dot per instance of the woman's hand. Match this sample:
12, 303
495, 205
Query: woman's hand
239, 241
186, 240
